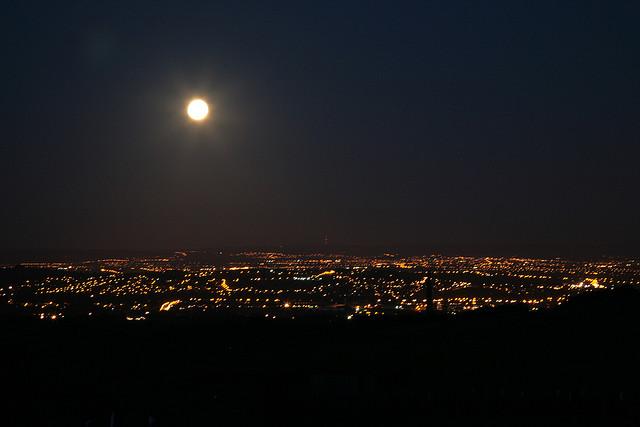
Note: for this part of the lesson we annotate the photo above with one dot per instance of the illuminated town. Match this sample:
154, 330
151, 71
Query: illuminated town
278, 285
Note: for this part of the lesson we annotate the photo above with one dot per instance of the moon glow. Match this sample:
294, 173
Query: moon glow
197, 110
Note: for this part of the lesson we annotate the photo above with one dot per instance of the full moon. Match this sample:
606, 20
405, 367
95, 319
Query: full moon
197, 110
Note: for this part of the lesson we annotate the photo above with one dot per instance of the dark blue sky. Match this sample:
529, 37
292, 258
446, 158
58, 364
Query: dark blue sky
463, 127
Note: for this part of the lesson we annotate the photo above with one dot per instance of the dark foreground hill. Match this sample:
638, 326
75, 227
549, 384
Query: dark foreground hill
576, 365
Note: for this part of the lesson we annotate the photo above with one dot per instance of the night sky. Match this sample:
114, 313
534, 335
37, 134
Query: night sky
461, 127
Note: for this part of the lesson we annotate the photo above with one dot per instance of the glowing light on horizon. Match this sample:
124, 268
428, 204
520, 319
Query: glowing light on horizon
168, 305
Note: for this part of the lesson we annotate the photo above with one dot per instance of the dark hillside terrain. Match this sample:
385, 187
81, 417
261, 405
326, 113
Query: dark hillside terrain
575, 365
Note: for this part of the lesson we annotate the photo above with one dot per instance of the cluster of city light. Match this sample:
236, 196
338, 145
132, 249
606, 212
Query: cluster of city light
282, 285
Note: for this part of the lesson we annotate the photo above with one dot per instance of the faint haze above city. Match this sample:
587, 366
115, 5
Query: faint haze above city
455, 127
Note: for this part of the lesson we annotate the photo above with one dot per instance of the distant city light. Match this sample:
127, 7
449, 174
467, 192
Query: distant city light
281, 285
